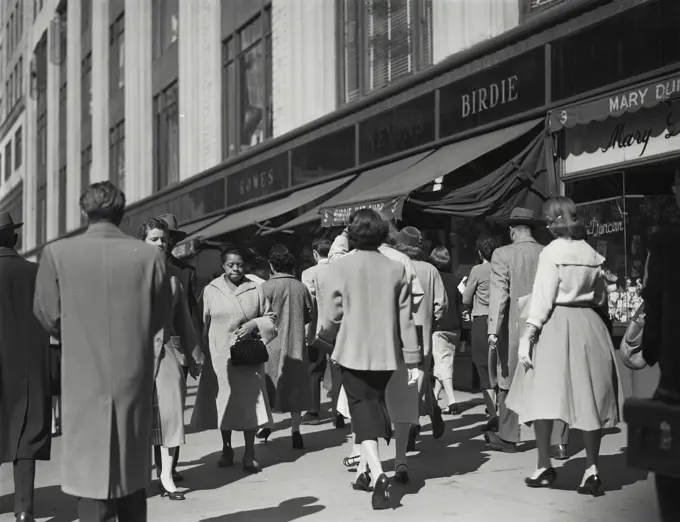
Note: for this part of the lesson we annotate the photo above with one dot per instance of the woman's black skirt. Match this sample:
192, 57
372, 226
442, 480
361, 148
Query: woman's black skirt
480, 349
365, 392
55, 370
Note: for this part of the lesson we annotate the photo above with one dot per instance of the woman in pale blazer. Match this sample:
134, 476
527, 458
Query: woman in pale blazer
175, 342
368, 318
568, 370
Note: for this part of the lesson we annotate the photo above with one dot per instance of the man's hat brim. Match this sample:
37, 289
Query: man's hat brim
13, 226
178, 234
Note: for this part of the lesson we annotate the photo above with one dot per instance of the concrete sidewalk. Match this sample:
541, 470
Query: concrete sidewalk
454, 476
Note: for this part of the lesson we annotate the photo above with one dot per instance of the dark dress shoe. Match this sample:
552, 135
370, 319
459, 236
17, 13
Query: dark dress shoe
177, 476
544, 480
592, 486
311, 419
558, 452
381, 493
25, 517
401, 474
339, 422
497, 444
437, 424
298, 443
491, 425
363, 482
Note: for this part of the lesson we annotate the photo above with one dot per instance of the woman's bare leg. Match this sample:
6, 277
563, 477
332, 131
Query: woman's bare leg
370, 456
167, 455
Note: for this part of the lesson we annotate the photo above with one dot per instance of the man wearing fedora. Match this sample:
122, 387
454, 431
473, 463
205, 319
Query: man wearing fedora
25, 398
513, 269
188, 279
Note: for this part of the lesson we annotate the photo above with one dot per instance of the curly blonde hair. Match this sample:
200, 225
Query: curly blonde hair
562, 217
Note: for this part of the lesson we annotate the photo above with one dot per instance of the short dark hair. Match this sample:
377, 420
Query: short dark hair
281, 259
8, 238
367, 230
562, 217
486, 247
151, 224
441, 258
230, 251
321, 246
103, 201
254, 260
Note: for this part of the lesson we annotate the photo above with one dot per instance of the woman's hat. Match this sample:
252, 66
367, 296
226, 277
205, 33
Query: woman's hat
171, 221
6, 221
410, 236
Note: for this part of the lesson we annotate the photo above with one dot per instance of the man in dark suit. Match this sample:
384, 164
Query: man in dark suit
188, 280
25, 399
660, 336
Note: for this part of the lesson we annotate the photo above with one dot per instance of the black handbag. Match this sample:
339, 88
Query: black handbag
249, 352
653, 435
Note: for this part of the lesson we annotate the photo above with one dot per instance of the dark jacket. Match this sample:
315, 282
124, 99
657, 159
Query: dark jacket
452, 320
188, 279
662, 308
25, 395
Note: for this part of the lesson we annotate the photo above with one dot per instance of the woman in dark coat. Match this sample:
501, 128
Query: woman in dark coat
25, 396
287, 370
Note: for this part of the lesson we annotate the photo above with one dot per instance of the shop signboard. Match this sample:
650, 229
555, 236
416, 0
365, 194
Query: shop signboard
530, 8
405, 127
339, 216
510, 88
262, 179
324, 156
647, 133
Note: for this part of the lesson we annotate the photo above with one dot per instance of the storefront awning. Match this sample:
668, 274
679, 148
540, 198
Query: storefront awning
388, 197
361, 183
262, 213
645, 95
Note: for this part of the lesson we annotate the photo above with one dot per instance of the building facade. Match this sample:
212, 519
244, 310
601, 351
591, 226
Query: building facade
201, 106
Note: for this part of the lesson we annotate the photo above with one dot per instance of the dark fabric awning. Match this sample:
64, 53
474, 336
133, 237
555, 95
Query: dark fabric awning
389, 196
198, 225
645, 95
361, 183
524, 181
261, 213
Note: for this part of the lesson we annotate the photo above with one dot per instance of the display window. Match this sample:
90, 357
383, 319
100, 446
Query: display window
621, 211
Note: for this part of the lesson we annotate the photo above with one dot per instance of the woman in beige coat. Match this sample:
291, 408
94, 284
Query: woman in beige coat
234, 308
176, 341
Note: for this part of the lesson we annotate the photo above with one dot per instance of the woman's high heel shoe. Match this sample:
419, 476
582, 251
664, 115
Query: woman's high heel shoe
298, 443
401, 474
363, 482
226, 459
174, 495
544, 480
264, 433
381, 493
592, 486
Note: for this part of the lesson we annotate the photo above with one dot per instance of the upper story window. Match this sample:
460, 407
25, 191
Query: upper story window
166, 137
117, 54
86, 86
18, 148
165, 25
383, 41
86, 15
117, 155
247, 102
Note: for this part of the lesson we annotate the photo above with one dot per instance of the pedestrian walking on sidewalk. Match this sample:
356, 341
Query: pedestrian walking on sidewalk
25, 397
105, 295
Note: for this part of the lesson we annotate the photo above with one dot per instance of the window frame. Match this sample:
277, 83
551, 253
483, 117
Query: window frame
162, 12
420, 54
116, 144
232, 53
116, 68
86, 90
165, 107
7, 157
18, 148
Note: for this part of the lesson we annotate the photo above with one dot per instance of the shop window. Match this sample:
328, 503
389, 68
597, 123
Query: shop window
166, 137
117, 54
18, 150
117, 155
165, 25
621, 211
247, 98
8, 160
383, 41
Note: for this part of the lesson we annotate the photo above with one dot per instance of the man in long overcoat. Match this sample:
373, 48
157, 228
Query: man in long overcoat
25, 399
104, 295
513, 269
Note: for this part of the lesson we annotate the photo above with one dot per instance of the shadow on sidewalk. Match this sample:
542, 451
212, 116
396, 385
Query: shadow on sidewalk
50, 503
205, 475
286, 511
458, 452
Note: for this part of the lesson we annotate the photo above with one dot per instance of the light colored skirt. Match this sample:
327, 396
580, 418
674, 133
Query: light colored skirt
444, 346
169, 397
401, 399
574, 376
